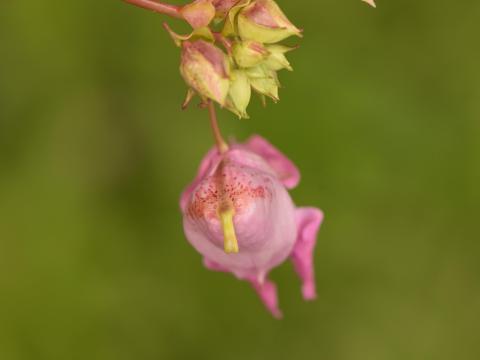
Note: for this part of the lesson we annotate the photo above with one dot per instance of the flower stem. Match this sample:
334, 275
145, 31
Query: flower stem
221, 144
167, 9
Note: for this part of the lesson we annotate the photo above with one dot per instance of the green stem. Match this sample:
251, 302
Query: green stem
221, 144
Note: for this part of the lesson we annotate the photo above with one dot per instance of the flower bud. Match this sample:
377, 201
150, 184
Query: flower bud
205, 68
249, 53
198, 13
239, 94
276, 60
264, 21
264, 81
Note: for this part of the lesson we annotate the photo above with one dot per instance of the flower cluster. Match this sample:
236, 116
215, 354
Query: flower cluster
243, 55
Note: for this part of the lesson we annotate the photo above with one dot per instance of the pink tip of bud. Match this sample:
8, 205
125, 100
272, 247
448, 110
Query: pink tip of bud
370, 2
198, 13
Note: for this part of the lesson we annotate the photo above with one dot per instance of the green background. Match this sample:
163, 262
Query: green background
382, 116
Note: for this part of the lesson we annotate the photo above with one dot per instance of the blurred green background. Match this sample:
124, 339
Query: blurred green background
381, 115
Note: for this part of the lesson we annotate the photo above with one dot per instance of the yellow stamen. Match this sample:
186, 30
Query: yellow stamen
230, 243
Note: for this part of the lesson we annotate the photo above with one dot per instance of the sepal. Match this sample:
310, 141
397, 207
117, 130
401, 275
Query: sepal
239, 94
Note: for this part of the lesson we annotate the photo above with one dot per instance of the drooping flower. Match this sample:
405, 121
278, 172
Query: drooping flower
239, 216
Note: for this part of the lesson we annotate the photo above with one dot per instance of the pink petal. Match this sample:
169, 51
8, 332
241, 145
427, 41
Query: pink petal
308, 223
212, 265
268, 294
206, 165
284, 168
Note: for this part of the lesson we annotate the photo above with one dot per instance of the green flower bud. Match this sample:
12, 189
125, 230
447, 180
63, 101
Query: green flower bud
239, 93
276, 60
205, 69
249, 53
264, 21
264, 81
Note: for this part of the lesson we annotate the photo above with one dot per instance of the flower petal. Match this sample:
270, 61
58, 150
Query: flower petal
308, 223
268, 294
212, 265
211, 158
284, 168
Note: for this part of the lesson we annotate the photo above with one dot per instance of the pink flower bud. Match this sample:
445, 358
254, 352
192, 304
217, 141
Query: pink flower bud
239, 215
205, 68
264, 21
198, 13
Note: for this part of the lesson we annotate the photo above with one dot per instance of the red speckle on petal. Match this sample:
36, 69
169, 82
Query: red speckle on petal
236, 184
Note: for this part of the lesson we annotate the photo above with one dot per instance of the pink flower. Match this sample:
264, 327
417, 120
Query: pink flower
239, 215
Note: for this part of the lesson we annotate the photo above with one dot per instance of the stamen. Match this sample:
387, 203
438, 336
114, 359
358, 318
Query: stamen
230, 243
